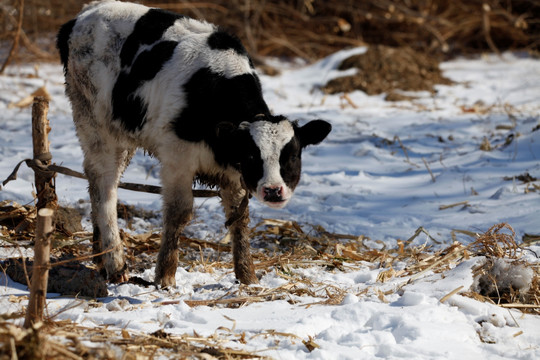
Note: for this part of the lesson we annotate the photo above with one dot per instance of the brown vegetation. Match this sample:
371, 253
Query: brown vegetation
311, 28
288, 247
424, 31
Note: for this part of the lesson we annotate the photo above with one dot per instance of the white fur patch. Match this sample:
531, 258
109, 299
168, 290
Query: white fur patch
271, 138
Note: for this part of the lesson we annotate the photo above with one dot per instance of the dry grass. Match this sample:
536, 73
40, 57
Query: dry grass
497, 244
289, 248
66, 340
311, 29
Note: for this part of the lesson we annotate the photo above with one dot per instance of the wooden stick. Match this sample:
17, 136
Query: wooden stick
45, 186
152, 189
47, 201
40, 269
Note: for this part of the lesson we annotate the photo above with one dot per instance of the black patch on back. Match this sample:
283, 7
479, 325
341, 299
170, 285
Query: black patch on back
290, 162
148, 29
127, 107
62, 40
221, 40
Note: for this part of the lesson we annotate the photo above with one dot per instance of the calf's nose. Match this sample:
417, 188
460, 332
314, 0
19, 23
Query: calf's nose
273, 193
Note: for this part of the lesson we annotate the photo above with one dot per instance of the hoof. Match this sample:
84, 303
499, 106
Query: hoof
166, 282
118, 276
248, 278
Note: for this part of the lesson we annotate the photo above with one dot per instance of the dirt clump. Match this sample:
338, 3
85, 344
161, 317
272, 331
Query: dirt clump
72, 278
68, 220
384, 69
21, 218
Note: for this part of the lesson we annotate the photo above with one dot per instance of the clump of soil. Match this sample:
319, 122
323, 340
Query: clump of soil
21, 218
68, 220
69, 279
384, 69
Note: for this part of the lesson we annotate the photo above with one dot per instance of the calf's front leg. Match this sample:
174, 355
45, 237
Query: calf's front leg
103, 166
177, 211
235, 203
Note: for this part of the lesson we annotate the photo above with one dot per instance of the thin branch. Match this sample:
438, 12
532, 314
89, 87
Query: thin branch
16, 38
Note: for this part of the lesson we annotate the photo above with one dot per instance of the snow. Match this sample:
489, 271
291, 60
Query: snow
371, 178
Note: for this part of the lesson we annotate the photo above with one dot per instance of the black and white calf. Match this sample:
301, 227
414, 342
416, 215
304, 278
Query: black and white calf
187, 92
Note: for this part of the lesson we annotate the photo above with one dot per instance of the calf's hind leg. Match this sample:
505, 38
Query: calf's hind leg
103, 166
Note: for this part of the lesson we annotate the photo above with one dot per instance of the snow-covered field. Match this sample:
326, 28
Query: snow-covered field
385, 170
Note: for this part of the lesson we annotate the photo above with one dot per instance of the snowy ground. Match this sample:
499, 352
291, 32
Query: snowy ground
385, 170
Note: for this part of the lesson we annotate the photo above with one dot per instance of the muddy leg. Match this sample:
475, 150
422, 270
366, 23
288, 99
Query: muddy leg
177, 211
235, 204
103, 167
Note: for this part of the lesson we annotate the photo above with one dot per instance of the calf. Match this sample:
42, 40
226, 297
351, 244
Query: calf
186, 92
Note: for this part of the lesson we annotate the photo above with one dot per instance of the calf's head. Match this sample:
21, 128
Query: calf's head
268, 154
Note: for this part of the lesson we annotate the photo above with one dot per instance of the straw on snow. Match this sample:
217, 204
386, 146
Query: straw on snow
294, 247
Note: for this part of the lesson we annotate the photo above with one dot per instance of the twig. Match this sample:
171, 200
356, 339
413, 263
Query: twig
347, 98
80, 258
236, 300
486, 27
26, 42
25, 270
16, 38
444, 207
520, 306
205, 244
396, 138
64, 351
421, 230
450, 294
429, 170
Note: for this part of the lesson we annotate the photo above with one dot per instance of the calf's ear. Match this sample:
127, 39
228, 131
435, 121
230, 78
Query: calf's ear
313, 132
